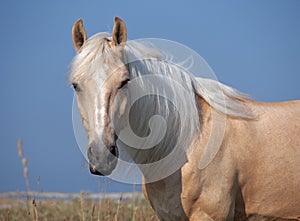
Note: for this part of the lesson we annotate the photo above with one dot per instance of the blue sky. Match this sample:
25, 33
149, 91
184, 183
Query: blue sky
252, 46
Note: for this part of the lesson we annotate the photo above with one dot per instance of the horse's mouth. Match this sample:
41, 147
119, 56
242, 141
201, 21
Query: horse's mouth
94, 171
102, 171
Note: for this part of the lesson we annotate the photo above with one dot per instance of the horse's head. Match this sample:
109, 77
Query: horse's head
98, 80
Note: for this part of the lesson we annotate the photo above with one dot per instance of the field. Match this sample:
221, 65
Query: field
82, 207
43, 206
36, 206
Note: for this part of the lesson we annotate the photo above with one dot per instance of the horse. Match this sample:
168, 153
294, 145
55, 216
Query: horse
252, 174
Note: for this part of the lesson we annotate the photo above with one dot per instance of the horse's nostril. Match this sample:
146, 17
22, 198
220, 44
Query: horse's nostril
114, 150
89, 152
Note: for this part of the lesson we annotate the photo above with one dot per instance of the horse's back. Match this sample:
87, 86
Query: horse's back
269, 170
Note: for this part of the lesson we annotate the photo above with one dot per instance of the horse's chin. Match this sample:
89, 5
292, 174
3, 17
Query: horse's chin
102, 171
94, 171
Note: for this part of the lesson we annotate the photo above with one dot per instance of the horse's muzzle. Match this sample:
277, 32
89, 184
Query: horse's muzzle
102, 163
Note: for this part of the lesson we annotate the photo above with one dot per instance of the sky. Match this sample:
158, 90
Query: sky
252, 46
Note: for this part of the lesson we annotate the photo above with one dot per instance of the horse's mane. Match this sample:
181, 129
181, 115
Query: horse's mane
221, 97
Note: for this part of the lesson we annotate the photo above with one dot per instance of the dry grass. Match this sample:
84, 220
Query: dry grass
81, 207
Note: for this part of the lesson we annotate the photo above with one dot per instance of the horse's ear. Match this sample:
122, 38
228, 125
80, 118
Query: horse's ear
119, 34
78, 34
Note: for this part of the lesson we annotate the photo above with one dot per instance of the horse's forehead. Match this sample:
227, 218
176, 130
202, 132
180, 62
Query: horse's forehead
97, 62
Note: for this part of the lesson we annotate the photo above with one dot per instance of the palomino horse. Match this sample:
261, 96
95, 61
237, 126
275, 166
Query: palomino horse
254, 175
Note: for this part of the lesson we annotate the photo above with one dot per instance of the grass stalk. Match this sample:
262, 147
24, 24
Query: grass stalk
118, 207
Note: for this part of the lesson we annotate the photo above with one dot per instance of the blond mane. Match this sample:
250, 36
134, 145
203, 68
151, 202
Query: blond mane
142, 60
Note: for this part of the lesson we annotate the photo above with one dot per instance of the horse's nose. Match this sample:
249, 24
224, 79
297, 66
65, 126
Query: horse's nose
102, 158
93, 161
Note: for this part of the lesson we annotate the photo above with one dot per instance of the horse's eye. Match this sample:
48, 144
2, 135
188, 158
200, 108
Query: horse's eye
75, 86
124, 83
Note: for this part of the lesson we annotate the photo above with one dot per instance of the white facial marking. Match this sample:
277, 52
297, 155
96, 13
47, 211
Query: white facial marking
99, 117
99, 107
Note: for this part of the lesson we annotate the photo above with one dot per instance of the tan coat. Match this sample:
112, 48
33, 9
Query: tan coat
255, 174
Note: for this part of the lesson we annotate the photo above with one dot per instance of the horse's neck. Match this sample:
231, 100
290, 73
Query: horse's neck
171, 191
167, 193
195, 148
